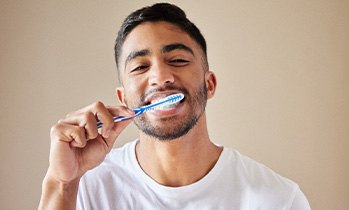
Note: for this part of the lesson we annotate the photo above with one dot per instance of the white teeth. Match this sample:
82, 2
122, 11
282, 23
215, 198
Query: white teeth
164, 106
156, 100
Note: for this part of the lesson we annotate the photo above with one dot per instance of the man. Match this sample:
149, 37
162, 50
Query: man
173, 164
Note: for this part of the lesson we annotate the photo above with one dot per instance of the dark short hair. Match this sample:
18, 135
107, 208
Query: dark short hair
159, 12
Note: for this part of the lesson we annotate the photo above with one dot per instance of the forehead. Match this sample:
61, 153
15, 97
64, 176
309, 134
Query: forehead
153, 36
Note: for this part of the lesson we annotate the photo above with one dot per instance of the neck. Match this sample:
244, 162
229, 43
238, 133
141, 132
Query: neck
181, 161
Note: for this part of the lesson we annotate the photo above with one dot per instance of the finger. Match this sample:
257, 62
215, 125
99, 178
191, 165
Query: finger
86, 120
73, 134
79, 137
101, 113
115, 132
120, 111
116, 111
118, 127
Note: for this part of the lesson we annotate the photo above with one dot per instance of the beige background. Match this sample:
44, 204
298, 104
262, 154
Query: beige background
282, 99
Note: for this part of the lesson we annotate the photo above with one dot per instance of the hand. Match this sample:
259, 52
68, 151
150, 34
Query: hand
76, 144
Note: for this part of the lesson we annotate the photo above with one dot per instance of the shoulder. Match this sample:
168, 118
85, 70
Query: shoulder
255, 172
259, 181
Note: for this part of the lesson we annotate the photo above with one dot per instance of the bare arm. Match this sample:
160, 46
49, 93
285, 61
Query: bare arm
57, 195
76, 147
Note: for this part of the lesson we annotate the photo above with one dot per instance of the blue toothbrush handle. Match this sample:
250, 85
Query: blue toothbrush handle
121, 118
140, 110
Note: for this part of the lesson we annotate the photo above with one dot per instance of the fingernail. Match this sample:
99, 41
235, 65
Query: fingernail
106, 133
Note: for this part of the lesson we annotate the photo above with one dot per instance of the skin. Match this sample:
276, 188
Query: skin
76, 145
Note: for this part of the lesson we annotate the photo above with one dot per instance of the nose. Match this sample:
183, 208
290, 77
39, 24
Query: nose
161, 75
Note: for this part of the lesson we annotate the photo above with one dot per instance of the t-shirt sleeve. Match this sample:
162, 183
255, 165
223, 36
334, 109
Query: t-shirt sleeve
300, 202
82, 196
79, 203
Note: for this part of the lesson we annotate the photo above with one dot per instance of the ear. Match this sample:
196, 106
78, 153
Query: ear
211, 83
120, 93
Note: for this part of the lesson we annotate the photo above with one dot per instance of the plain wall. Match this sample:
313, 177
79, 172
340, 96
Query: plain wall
282, 97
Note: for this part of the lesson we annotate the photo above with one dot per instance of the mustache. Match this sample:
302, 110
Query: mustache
161, 89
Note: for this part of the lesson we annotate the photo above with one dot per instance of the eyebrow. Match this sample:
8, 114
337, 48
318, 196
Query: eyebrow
135, 54
176, 46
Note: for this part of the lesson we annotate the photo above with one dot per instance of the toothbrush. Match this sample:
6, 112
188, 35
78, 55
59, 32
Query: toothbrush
171, 99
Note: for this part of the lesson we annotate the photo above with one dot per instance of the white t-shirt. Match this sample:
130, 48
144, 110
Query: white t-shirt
235, 182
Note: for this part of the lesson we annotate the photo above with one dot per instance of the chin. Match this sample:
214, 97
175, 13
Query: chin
167, 128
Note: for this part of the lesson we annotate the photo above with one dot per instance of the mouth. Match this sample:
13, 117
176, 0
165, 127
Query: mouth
165, 106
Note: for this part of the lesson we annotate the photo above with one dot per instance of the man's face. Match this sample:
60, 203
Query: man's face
159, 59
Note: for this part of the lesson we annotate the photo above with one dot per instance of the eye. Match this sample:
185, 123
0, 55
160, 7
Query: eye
139, 68
179, 62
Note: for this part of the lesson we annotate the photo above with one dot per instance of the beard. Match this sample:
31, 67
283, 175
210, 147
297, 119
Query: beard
174, 127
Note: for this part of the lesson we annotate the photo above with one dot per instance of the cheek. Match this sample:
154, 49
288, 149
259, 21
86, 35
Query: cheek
195, 81
133, 93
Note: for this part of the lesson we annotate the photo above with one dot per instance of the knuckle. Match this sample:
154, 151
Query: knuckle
60, 121
88, 116
55, 129
94, 135
69, 114
80, 131
98, 105
82, 144
78, 135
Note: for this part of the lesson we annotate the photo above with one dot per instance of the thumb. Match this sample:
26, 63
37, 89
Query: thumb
115, 132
